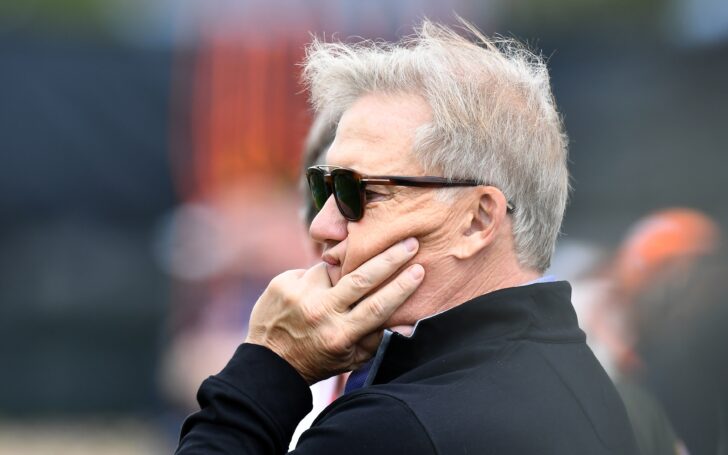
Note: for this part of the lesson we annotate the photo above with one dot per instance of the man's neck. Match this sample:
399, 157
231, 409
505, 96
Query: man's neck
452, 283
480, 279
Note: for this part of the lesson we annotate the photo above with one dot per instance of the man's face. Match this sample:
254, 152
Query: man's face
375, 137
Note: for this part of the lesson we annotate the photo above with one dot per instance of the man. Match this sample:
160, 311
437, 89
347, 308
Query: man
453, 152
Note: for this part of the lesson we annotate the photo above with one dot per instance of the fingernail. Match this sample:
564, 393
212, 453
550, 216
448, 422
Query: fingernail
410, 244
417, 271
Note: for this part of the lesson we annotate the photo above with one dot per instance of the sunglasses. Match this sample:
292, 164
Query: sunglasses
349, 187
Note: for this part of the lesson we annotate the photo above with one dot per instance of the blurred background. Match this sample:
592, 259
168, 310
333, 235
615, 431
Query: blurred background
150, 154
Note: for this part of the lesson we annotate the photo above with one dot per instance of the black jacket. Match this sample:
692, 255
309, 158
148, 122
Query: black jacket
505, 373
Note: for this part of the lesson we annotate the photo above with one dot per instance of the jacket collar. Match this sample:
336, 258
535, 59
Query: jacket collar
540, 311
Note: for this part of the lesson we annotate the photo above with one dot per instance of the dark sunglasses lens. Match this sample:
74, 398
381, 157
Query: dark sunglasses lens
317, 184
348, 195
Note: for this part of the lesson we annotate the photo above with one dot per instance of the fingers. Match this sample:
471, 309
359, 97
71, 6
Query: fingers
374, 311
372, 273
370, 343
318, 275
366, 348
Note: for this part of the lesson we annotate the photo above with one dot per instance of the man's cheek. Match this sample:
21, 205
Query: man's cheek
360, 251
356, 255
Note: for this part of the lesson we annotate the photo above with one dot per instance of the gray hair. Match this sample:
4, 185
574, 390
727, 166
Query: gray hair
494, 116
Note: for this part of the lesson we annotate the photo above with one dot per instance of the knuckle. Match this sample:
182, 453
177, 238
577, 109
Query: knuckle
276, 284
290, 275
334, 342
402, 286
360, 281
288, 295
286, 288
377, 308
287, 276
280, 283
393, 257
312, 315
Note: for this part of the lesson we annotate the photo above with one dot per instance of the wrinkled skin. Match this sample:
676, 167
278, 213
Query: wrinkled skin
314, 326
330, 318
375, 136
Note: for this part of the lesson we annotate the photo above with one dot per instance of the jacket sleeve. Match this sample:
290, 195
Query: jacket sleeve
251, 407
255, 403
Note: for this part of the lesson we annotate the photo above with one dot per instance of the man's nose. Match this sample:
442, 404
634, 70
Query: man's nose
328, 225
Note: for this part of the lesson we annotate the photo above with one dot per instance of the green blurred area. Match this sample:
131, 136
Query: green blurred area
80, 15
54, 10
607, 18
93, 15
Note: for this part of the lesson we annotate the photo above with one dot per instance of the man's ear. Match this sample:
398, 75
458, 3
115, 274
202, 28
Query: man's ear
482, 221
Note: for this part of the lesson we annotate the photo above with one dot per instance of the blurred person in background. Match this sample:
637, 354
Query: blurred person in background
670, 280
656, 320
485, 354
219, 238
